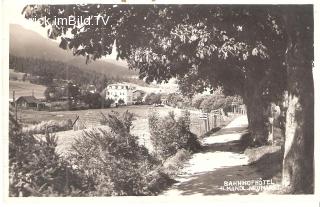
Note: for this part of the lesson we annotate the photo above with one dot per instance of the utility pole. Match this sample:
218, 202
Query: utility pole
15, 105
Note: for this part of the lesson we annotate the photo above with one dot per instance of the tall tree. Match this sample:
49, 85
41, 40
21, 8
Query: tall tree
298, 165
241, 48
222, 45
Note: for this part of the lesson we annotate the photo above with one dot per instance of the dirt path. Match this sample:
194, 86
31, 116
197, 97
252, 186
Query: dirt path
221, 160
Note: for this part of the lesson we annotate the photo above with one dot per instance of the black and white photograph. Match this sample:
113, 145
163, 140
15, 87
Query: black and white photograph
163, 100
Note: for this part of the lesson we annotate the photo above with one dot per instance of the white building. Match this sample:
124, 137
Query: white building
121, 91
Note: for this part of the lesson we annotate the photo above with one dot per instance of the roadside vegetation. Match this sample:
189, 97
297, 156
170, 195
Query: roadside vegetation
101, 162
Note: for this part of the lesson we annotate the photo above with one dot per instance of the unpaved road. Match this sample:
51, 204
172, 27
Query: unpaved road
221, 160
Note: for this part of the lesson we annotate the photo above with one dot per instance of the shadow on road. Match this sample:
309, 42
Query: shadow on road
237, 146
266, 168
231, 130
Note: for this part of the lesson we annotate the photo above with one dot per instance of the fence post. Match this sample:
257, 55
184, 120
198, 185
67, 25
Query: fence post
205, 125
215, 120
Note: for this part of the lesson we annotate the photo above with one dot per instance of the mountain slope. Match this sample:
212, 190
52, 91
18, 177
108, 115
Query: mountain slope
27, 43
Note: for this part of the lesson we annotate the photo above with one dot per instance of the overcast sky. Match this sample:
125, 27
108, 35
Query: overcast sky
15, 17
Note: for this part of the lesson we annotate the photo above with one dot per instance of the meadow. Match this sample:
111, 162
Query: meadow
25, 89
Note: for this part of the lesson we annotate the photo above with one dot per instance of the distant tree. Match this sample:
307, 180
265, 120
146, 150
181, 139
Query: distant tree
153, 98
93, 100
72, 91
108, 102
138, 99
51, 93
102, 83
214, 102
196, 101
174, 98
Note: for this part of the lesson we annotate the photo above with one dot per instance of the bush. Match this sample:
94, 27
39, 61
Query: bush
58, 106
92, 100
153, 98
177, 100
215, 102
108, 102
113, 159
102, 163
174, 163
50, 126
196, 101
35, 169
168, 135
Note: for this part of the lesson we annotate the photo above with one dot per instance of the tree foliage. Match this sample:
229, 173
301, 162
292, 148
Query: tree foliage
238, 47
93, 100
170, 40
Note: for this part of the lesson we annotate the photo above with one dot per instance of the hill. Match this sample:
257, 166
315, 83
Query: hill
27, 43
25, 89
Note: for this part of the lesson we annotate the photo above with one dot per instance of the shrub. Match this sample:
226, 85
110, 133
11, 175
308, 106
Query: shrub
51, 126
121, 101
196, 101
108, 102
168, 135
102, 163
153, 98
35, 169
172, 165
93, 100
178, 100
113, 159
215, 102
58, 106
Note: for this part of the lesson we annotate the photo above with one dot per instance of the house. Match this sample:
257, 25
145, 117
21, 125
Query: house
137, 96
120, 91
164, 98
28, 102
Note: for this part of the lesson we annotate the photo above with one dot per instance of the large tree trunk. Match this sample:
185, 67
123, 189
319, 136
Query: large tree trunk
257, 118
298, 169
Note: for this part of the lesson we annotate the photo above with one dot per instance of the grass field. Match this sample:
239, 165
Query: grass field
25, 89
140, 124
31, 116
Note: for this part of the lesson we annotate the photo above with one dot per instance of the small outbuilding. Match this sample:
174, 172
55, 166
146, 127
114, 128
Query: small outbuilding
29, 102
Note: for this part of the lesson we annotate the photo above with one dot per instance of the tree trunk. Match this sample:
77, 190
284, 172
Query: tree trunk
298, 166
257, 119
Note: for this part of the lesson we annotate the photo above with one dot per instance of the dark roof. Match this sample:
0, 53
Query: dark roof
138, 91
28, 99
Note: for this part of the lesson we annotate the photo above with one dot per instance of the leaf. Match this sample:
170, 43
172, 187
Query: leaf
63, 44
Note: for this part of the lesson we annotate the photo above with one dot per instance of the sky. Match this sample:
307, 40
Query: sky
15, 17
